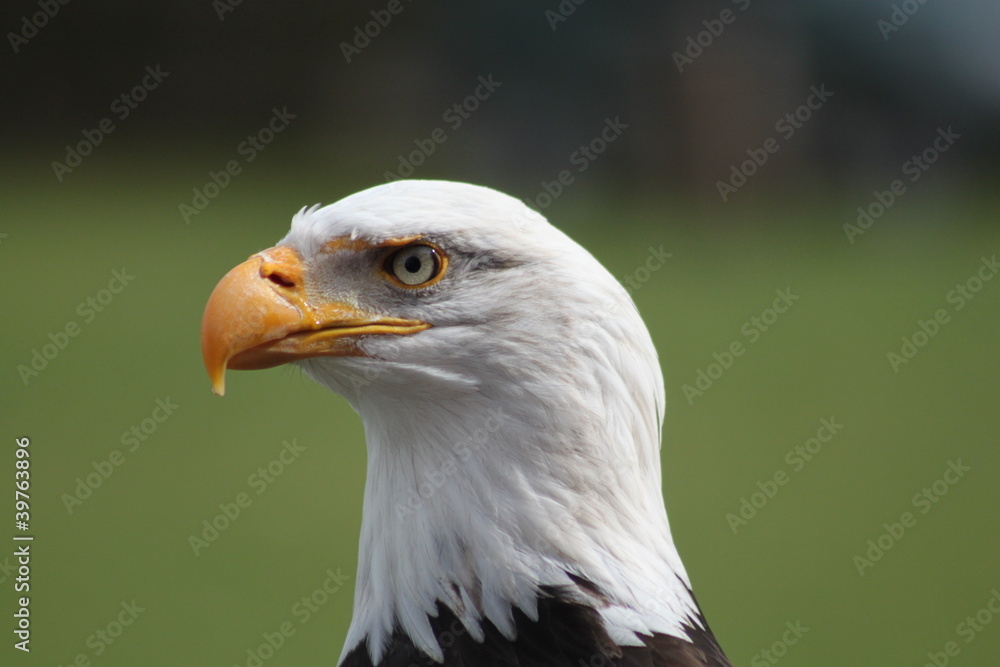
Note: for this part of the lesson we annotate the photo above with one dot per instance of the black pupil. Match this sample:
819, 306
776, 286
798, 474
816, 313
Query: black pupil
412, 264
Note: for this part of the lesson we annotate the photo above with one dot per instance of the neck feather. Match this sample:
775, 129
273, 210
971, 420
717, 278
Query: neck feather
480, 509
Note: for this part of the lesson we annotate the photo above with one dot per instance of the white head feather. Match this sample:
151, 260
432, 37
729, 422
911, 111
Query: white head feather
513, 444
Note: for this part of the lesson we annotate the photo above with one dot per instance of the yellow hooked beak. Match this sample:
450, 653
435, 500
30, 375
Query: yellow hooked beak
260, 315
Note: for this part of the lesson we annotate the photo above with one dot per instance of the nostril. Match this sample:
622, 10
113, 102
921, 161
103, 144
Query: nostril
277, 278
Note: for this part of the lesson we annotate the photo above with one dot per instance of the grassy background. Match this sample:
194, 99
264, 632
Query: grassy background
825, 357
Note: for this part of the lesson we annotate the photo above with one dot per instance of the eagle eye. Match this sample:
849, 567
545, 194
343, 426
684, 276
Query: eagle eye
415, 265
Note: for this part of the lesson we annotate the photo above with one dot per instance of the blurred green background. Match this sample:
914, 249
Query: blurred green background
654, 186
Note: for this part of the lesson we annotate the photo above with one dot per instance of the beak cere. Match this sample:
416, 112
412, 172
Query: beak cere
260, 315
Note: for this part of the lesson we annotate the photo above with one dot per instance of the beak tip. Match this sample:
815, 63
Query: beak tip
219, 384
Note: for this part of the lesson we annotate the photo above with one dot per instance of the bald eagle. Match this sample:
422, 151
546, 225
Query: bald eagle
512, 403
